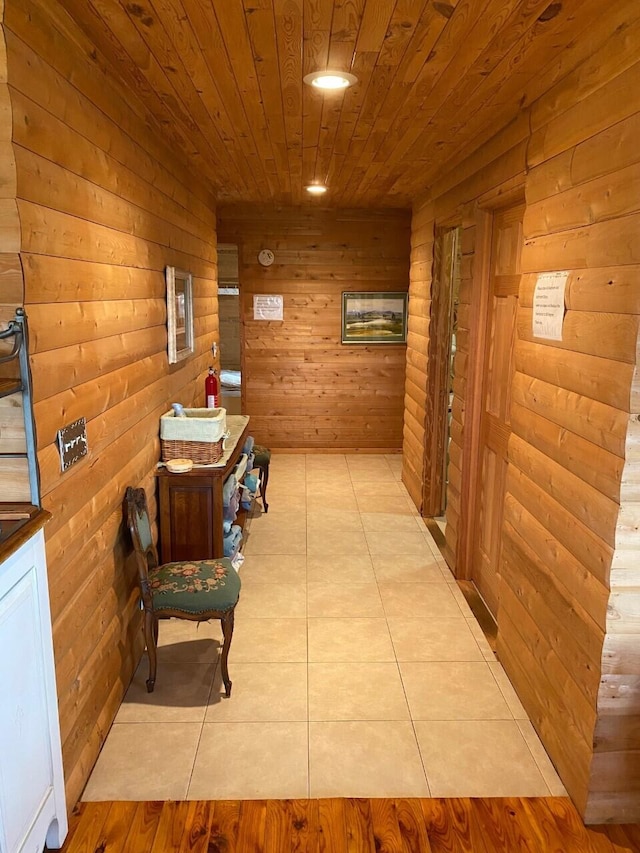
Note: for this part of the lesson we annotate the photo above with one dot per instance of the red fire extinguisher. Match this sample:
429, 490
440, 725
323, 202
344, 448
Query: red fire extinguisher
212, 390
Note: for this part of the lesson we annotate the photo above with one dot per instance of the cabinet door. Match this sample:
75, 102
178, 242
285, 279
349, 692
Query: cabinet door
31, 786
190, 518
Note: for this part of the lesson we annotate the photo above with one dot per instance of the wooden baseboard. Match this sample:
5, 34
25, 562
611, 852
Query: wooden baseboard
480, 610
468, 588
436, 531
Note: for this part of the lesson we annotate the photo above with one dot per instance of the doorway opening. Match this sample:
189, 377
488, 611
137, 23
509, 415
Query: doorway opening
230, 329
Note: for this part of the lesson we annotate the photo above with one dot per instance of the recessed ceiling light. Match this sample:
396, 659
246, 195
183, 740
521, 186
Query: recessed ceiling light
316, 189
330, 79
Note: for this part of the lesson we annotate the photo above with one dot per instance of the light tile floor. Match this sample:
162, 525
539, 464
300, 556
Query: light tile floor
358, 668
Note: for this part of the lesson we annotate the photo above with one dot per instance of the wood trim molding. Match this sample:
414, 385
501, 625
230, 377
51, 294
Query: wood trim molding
473, 403
437, 378
509, 192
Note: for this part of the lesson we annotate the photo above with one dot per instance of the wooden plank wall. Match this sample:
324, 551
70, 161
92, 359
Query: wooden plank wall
11, 283
415, 390
568, 622
14, 474
302, 388
570, 416
616, 760
104, 205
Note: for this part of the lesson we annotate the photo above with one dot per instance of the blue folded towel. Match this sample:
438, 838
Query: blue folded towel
231, 542
249, 490
248, 445
229, 512
229, 487
251, 483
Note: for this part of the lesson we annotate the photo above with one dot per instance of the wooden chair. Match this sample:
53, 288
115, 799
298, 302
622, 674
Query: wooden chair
262, 458
197, 590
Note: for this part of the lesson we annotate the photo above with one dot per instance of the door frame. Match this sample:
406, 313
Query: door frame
241, 332
482, 214
438, 371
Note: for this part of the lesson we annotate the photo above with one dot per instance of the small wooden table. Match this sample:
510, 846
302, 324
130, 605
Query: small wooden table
190, 506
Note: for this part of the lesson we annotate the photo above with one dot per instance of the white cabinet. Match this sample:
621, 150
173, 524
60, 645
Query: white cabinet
32, 801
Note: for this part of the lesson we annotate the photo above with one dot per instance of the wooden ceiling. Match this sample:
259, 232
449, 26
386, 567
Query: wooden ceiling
223, 80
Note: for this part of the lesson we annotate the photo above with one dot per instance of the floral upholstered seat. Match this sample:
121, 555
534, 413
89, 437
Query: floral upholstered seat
195, 586
198, 590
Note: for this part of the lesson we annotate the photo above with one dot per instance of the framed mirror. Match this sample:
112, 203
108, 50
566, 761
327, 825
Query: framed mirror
179, 314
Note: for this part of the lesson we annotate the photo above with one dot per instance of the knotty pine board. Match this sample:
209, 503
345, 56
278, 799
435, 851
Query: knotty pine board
13, 472
422, 240
104, 206
434, 825
574, 395
301, 386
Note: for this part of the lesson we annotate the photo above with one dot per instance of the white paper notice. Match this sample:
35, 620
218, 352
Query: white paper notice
268, 308
548, 305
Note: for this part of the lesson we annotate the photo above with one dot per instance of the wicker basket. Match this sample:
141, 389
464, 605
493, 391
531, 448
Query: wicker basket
199, 436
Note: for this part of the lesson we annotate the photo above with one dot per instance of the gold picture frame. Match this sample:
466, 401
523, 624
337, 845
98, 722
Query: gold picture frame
374, 317
179, 314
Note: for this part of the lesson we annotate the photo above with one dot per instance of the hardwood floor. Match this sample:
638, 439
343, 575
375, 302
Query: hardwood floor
511, 825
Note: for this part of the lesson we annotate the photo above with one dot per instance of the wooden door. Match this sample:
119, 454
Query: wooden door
495, 427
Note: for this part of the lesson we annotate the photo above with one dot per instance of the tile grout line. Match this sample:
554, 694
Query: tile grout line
306, 566
515, 720
535, 760
404, 691
195, 756
413, 721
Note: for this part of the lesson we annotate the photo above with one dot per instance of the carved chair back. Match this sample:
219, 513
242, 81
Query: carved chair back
140, 529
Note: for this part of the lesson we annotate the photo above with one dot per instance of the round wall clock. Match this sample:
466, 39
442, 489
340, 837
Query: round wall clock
266, 257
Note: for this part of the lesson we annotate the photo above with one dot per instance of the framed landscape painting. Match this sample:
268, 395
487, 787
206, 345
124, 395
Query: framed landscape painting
374, 318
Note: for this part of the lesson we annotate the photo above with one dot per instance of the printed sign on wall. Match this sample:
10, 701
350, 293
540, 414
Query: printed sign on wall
268, 308
548, 305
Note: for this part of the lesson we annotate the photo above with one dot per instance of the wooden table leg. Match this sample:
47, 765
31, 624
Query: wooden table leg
264, 480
